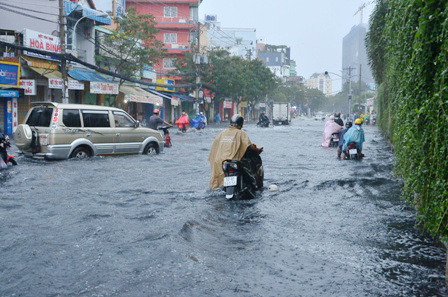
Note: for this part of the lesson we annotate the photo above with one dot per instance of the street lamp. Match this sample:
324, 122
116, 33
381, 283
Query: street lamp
100, 14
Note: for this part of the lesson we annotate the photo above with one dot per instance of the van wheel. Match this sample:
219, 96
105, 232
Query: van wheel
151, 149
81, 152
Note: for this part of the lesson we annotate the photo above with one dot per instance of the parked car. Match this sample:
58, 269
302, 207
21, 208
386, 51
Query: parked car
61, 131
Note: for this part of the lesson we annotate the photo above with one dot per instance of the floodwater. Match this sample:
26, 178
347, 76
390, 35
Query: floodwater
148, 226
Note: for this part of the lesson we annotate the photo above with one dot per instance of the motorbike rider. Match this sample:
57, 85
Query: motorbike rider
338, 120
230, 144
354, 134
330, 127
155, 120
263, 119
4, 143
348, 125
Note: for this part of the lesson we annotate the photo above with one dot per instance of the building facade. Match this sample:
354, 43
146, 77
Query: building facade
354, 56
321, 82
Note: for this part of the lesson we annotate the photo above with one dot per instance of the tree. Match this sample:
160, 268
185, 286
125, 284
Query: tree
132, 46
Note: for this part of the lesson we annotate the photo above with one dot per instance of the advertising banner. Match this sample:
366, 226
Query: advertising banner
75, 84
9, 75
103, 88
15, 116
43, 42
175, 101
227, 104
28, 86
55, 83
9, 94
165, 81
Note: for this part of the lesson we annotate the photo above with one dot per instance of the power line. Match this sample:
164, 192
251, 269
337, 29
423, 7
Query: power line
70, 57
27, 15
35, 4
27, 9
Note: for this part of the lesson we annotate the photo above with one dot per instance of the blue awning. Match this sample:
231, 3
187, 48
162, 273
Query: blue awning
184, 97
158, 93
87, 75
86, 12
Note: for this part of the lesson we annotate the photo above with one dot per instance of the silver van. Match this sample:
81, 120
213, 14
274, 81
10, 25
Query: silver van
61, 131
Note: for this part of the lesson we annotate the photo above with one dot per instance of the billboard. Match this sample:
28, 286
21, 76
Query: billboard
43, 42
9, 74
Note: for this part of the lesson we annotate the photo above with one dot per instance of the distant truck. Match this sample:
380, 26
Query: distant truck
281, 114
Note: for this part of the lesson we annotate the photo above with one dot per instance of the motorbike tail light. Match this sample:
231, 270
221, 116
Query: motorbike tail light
229, 166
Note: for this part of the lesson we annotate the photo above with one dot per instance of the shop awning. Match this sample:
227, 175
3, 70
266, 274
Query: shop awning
86, 12
183, 97
137, 94
39, 63
87, 75
159, 94
48, 73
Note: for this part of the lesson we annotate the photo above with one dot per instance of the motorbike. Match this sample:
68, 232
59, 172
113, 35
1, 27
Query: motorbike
352, 152
334, 140
243, 178
198, 123
263, 123
5, 157
166, 135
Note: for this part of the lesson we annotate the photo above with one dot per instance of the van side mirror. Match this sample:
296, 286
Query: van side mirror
137, 124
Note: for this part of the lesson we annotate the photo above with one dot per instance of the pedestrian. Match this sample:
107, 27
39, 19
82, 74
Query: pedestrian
218, 118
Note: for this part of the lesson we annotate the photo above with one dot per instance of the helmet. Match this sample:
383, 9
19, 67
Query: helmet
237, 120
348, 124
156, 111
358, 121
201, 113
332, 117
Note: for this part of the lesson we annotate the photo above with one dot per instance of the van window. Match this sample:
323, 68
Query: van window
40, 116
96, 119
122, 120
71, 118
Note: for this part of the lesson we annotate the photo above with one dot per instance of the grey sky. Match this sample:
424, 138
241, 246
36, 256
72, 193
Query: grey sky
312, 28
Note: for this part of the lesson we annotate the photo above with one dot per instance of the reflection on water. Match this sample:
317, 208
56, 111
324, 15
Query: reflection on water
139, 226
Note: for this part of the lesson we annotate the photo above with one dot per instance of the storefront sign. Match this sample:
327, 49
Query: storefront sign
103, 88
28, 86
9, 75
165, 81
174, 101
9, 94
41, 41
75, 84
227, 104
55, 83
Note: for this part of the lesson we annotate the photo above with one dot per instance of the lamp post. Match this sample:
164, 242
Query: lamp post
101, 14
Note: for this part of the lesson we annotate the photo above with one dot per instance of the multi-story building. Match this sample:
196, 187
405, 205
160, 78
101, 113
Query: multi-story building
177, 21
240, 42
276, 58
40, 76
321, 82
354, 56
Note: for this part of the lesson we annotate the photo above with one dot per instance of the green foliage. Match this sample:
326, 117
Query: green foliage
230, 77
408, 50
133, 45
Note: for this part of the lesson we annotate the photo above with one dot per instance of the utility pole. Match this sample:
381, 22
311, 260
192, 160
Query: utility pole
360, 83
63, 61
350, 88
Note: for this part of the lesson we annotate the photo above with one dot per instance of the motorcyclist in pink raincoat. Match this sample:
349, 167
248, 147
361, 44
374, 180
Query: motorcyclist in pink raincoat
330, 127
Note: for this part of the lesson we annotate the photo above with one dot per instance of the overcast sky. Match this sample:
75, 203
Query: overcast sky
312, 28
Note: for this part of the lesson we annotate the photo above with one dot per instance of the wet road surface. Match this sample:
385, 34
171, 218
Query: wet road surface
148, 226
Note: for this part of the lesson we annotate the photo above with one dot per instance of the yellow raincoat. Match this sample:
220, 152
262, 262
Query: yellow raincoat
230, 144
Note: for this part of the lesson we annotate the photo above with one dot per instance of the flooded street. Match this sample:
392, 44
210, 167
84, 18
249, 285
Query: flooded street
148, 226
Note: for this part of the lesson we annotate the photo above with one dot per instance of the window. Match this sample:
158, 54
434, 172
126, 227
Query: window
96, 119
40, 116
122, 120
194, 13
71, 118
267, 59
170, 37
170, 12
169, 63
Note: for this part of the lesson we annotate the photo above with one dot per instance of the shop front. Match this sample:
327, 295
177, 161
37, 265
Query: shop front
9, 83
139, 103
